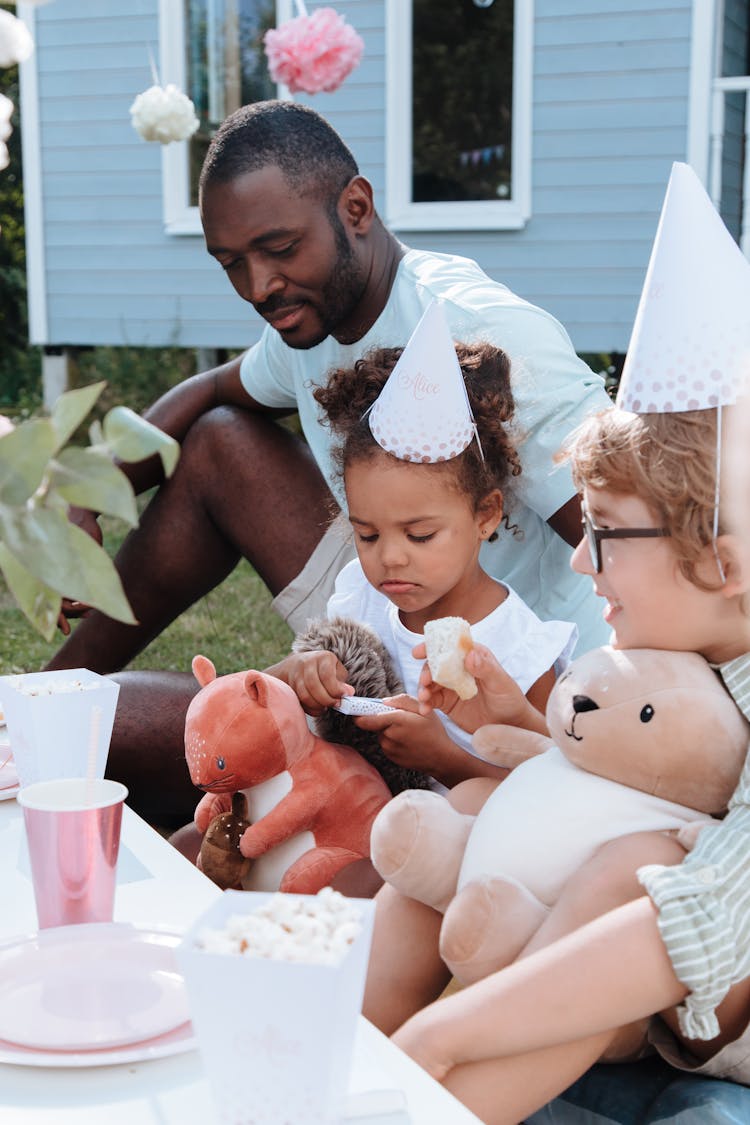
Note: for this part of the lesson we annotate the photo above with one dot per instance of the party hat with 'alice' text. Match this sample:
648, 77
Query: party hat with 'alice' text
690, 347
423, 412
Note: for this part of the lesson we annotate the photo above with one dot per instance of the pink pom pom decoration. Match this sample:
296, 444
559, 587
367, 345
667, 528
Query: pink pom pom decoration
314, 53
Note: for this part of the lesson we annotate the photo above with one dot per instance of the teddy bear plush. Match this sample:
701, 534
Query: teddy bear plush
640, 740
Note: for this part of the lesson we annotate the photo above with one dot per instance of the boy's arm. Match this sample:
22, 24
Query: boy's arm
606, 974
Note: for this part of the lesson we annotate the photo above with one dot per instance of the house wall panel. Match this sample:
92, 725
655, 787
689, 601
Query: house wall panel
609, 115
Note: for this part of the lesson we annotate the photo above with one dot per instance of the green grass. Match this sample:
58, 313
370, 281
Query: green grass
234, 626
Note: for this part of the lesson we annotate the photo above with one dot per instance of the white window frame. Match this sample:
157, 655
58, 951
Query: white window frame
401, 212
179, 217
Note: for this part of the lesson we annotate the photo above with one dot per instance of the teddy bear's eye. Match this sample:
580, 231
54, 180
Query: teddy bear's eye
220, 763
647, 714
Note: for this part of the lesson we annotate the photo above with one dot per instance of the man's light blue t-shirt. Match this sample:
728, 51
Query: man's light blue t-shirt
553, 390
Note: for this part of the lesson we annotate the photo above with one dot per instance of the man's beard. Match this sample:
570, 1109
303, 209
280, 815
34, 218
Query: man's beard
342, 291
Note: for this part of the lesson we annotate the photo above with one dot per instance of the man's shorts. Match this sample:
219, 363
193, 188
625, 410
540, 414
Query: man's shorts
306, 597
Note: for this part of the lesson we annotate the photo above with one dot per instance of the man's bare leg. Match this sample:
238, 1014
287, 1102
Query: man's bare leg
244, 486
147, 752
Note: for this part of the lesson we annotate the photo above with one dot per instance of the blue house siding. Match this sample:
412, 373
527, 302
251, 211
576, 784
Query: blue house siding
609, 117
610, 93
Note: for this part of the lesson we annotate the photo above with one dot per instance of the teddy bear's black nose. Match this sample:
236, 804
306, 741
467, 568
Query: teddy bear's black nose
584, 703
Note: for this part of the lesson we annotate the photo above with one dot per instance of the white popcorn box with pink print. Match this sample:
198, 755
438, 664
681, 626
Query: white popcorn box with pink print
423, 412
59, 723
276, 1027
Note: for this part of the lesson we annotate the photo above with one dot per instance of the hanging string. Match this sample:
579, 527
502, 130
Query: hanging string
152, 64
717, 495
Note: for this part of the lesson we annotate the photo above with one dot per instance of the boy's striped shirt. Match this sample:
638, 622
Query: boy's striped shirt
704, 902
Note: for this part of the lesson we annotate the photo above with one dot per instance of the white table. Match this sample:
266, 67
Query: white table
157, 885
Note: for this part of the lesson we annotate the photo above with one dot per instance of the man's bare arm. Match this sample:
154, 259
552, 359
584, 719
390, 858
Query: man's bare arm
566, 521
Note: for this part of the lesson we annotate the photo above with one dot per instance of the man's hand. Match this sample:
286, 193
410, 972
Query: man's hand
88, 522
498, 700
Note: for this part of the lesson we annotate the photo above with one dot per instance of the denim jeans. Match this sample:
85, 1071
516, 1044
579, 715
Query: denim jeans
649, 1092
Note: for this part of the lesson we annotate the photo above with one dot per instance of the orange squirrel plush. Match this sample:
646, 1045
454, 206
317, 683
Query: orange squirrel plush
248, 729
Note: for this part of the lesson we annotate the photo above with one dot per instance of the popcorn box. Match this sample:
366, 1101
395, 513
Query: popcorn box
276, 1036
59, 723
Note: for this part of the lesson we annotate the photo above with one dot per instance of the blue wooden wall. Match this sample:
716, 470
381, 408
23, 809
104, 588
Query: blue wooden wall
610, 96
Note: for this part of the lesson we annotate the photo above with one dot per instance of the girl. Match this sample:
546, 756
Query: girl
418, 530
510, 1042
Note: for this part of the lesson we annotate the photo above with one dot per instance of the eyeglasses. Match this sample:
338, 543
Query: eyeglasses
594, 536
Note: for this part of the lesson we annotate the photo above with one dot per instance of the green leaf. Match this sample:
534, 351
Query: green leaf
65, 558
70, 410
40, 604
132, 438
89, 479
24, 455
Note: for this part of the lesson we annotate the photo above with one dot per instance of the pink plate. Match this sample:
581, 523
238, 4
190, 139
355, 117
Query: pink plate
175, 1042
89, 987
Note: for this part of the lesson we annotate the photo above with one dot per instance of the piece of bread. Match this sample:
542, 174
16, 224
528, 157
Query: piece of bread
448, 639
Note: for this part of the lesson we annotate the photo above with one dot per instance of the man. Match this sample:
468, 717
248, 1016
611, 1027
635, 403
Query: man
289, 218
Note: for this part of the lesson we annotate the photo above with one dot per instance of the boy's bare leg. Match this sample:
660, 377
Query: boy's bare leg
405, 972
244, 486
605, 882
505, 1089
564, 995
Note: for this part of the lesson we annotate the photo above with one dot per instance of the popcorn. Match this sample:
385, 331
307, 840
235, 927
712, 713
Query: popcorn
164, 114
52, 687
315, 929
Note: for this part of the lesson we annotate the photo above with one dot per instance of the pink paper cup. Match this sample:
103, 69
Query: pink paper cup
73, 832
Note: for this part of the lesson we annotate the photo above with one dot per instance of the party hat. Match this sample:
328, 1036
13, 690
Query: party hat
423, 412
690, 347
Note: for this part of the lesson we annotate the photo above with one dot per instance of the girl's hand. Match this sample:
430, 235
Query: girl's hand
318, 679
498, 700
407, 737
421, 742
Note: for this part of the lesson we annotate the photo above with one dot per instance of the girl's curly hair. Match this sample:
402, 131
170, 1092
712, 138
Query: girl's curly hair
350, 391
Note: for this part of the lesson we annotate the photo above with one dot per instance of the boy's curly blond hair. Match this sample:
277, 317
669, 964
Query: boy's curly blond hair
667, 460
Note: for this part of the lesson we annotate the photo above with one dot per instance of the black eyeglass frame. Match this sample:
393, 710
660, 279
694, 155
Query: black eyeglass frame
594, 536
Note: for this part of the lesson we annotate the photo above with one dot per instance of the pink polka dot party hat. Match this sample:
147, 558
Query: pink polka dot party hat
690, 347
423, 412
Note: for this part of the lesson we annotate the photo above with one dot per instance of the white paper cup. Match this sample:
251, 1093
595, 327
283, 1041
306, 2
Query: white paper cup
59, 733
276, 1037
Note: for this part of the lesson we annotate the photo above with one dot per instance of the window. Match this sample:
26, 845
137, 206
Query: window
213, 50
459, 113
